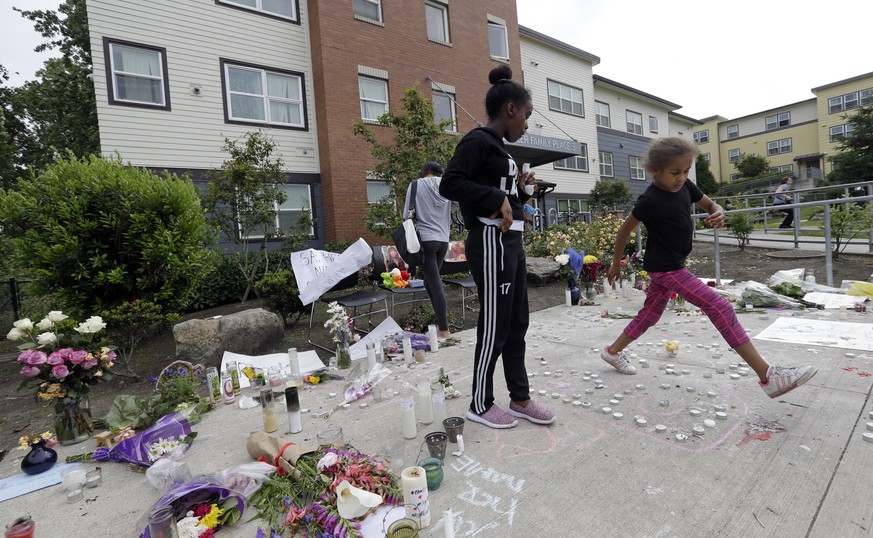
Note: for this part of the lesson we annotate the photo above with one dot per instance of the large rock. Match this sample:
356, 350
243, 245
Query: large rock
540, 271
251, 332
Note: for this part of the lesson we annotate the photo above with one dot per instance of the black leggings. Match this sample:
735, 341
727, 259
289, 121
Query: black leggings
434, 255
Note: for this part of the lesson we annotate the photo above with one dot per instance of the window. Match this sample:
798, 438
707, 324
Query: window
258, 95
841, 131
374, 97
368, 9
601, 113
137, 75
783, 168
606, 169
288, 213
776, 147
850, 100
777, 120
734, 177
578, 163
866, 97
444, 110
565, 98
733, 155
577, 206
705, 157
286, 9
498, 40
733, 131
437, 17
653, 124
377, 190
701, 137
634, 122
835, 104
637, 170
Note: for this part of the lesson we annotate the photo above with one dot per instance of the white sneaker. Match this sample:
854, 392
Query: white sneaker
782, 379
620, 362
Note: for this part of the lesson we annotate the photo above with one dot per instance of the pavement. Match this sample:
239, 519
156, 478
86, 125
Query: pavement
794, 466
775, 238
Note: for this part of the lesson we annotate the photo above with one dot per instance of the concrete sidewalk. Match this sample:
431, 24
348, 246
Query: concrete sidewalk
794, 466
774, 239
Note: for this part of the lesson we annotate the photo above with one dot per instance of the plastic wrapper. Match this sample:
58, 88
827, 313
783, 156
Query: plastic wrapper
277, 453
797, 278
169, 470
759, 295
361, 383
137, 448
861, 289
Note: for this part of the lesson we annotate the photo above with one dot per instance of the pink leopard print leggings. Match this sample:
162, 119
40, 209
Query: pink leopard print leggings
689, 287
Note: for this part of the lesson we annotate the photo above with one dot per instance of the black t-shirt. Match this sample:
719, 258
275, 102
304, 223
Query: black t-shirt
667, 216
480, 175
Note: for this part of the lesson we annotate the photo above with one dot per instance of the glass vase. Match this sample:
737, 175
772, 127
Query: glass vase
343, 356
73, 420
590, 292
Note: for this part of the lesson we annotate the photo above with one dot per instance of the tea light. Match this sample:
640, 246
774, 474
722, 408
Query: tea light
566, 400
586, 405
618, 396
660, 428
721, 415
556, 395
617, 416
73, 478
591, 391
707, 375
641, 387
542, 392
665, 386
735, 376
641, 422
664, 403
644, 363
690, 389
698, 430
94, 478
696, 412
75, 495
711, 394
547, 374
686, 372
870, 426
719, 407
681, 437
709, 423
669, 371
614, 402
606, 410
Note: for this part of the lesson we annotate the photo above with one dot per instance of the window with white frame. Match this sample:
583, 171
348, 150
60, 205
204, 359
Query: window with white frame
565, 98
437, 18
606, 168
835, 105
734, 177
839, 132
733, 155
701, 137
850, 100
575, 205
286, 9
137, 75
377, 190
601, 114
637, 169
782, 168
577, 163
444, 110
776, 121
865, 97
733, 131
368, 9
374, 97
298, 201
498, 40
653, 124
776, 147
634, 122
266, 96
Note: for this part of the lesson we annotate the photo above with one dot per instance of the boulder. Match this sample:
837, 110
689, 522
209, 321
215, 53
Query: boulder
250, 332
541, 271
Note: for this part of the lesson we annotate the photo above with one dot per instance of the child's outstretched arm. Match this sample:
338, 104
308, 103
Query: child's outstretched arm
630, 224
716, 212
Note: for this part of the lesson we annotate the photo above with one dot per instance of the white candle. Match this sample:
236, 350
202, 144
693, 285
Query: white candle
424, 406
293, 361
449, 524
371, 356
407, 348
606, 287
568, 301
407, 409
460, 443
432, 336
413, 481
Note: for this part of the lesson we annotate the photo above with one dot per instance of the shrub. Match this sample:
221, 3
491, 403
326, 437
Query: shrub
279, 291
97, 233
740, 225
129, 323
420, 316
222, 283
596, 238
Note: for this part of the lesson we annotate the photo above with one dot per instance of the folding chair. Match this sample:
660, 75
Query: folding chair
452, 266
351, 302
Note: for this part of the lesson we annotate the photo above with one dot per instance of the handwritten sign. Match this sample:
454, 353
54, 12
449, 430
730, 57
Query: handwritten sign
317, 271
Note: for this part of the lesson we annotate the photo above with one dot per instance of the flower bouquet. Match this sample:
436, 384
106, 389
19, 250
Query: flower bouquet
25, 442
676, 300
342, 331
62, 362
200, 507
592, 269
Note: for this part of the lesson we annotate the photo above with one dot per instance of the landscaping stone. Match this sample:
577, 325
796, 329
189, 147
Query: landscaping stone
250, 332
541, 270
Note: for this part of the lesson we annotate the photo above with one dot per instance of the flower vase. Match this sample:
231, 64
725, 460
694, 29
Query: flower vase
590, 292
575, 293
40, 458
73, 420
343, 356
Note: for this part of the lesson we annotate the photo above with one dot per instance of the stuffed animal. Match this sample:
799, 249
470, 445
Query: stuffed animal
387, 280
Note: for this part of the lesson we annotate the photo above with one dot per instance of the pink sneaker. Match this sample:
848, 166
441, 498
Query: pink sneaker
534, 412
493, 418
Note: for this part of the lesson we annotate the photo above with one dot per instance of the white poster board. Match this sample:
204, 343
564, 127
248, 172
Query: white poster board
317, 271
832, 300
817, 332
386, 328
309, 362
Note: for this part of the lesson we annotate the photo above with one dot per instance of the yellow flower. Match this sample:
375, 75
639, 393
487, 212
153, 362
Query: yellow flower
210, 520
589, 259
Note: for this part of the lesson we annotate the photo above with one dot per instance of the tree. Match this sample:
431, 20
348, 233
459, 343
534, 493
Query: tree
609, 193
705, 179
241, 201
752, 165
740, 225
417, 139
854, 162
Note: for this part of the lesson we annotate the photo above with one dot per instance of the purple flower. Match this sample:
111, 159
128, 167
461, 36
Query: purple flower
87, 365
60, 371
29, 371
78, 356
33, 357
55, 359
154, 379
260, 534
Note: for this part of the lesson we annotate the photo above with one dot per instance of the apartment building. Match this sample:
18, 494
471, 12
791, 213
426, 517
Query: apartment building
834, 104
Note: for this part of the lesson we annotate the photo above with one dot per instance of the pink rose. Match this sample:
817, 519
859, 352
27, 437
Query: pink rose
110, 357
66, 353
60, 371
29, 371
33, 357
78, 356
91, 363
55, 358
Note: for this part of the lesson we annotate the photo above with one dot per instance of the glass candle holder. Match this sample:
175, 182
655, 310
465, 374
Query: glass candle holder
162, 523
330, 437
233, 370
75, 495
22, 527
94, 478
268, 406
73, 478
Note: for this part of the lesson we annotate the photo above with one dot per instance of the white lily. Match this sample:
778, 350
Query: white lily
352, 502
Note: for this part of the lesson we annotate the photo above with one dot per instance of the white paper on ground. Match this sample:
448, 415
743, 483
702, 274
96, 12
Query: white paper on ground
388, 327
372, 526
816, 332
831, 300
317, 271
724, 281
309, 362
21, 484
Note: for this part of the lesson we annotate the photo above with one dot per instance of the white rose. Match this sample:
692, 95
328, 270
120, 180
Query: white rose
562, 259
46, 338
23, 324
45, 324
94, 324
56, 316
15, 334
327, 461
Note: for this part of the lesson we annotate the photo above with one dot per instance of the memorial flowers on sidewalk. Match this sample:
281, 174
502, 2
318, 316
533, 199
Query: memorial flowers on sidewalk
592, 269
342, 331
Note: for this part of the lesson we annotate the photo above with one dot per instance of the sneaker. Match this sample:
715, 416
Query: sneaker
493, 418
534, 412
620, 362
782, 379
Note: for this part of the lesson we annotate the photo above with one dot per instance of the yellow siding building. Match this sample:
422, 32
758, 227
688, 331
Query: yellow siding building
835, 103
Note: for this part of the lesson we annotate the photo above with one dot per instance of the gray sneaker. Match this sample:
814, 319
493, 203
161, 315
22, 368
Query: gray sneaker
620, 362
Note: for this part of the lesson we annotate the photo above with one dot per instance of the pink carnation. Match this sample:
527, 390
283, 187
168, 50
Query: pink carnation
78, 356
91, 363
33, 357
29, 371
55, 358
60, 371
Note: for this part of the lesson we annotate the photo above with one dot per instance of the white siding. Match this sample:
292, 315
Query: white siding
195, 34
541, 63
620, 102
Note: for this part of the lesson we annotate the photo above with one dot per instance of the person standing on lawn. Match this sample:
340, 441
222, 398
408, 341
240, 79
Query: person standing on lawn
665, 209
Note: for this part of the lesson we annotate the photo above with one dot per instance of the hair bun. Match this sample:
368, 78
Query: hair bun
501, 72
